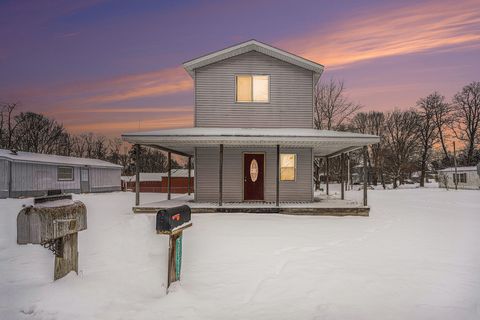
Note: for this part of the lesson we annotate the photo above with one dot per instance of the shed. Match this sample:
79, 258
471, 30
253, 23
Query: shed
467, 177
27, 174
158, 181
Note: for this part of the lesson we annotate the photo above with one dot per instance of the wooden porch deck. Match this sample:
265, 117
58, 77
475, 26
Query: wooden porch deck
321, 207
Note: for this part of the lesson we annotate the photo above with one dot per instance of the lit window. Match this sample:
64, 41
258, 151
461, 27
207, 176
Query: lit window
287, 167
252, 88
65, 173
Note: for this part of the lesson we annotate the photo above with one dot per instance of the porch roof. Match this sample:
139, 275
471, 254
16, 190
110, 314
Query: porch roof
323, 142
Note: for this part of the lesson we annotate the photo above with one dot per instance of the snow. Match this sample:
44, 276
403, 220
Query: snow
54, 159
416, 257
452, 169
252, 132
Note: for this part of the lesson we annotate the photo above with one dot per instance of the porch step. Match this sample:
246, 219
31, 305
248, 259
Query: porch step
307, 211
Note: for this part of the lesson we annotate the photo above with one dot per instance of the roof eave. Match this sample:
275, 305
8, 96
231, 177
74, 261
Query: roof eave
247, 46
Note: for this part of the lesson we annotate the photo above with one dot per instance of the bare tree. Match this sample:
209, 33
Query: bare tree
36, 133
442, 117
401, 141
373, 123
427, 130
466, 109
332, 109
7, 125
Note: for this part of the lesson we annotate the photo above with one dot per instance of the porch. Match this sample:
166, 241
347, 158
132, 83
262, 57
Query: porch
221, 182
324, 205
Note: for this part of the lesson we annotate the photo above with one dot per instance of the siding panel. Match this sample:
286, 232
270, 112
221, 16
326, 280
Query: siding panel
207, 160
40, 177
102, 177
291, 94
4, 176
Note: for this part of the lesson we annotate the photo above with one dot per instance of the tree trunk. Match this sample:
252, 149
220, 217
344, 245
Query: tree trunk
423, 168
444, 147
471, 148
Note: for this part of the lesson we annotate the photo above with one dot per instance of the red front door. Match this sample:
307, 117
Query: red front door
253, 165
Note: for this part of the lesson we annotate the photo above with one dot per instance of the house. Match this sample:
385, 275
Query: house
26, 174
467, 177
253, 137
158, 181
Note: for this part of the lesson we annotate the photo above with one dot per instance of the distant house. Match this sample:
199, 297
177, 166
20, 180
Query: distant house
158, 181
26, 174
467, 178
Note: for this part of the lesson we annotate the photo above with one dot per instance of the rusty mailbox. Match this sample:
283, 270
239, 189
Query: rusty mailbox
54, 225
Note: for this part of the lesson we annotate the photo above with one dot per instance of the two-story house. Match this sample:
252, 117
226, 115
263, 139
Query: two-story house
253, 137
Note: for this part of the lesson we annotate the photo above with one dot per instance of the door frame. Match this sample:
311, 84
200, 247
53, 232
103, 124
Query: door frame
243, 173
88, 181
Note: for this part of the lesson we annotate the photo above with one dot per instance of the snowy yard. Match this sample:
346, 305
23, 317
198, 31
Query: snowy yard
416, 257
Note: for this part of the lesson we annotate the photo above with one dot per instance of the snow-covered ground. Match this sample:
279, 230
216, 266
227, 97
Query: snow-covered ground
416, 257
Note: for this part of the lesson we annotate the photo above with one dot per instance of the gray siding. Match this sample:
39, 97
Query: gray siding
102, 178
38, 177
207, 173
291, 94
32, 179
4, 178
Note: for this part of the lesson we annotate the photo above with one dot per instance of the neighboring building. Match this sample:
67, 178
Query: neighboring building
253, 137
26, 174
467, 178
158, 182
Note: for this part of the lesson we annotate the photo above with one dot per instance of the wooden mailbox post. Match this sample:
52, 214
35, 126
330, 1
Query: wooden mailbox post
54, 226
172, 222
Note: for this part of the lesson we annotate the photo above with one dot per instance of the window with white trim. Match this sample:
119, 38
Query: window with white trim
253, 88
65, 173
288, 165
460, 177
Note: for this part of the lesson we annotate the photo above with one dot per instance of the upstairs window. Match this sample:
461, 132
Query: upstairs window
252, 88
65, 174
287, 166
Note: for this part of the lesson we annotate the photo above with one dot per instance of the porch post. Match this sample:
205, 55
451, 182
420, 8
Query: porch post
277, 185
137, 175
169, 184
189, 174
365, 175
342, 175
349, 180
220, 177
326, 174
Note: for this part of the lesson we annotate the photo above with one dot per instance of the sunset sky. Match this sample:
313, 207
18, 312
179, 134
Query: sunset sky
115, 66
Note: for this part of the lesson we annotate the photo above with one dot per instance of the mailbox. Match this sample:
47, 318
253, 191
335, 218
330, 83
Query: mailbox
54, 223
40, 224
173, 219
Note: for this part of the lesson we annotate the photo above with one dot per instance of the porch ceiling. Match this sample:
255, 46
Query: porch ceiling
323, 142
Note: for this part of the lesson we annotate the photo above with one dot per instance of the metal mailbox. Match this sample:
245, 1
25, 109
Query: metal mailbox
41, 224
54, 223
171, 219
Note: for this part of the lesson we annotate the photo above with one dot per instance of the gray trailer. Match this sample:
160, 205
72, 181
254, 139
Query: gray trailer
26, 174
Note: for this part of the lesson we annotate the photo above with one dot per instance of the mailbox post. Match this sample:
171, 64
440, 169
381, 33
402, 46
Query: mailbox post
172, 222
54, 226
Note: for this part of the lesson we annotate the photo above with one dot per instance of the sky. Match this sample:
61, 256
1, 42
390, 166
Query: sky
115, 66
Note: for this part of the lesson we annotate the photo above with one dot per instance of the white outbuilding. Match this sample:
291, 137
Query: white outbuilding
467, 177
26, 174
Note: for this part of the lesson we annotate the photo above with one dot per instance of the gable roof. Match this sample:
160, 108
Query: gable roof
253, 45
50, 159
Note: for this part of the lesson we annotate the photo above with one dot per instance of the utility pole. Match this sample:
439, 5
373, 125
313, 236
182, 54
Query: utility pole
455, 176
